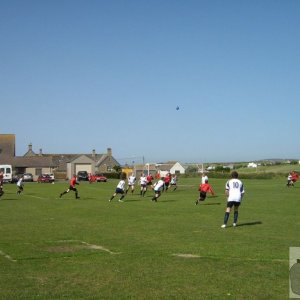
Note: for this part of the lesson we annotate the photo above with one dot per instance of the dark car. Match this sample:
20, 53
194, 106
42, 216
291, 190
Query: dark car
82, 176
27, 177
100, 178
15, 178
45, 178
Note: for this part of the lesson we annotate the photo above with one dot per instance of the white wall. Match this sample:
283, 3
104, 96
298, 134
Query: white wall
177, 168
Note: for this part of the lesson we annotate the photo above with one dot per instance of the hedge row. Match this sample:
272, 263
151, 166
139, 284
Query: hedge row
268, 175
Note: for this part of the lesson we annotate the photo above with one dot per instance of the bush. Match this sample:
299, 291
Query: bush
222, 169
226, 175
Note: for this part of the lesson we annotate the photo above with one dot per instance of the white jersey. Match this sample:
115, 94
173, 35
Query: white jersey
235, 190
173, 180
121, 185
159, 186
203, 179
143, 180
131, 180
20, 182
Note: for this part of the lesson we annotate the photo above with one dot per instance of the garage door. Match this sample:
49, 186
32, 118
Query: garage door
83, 167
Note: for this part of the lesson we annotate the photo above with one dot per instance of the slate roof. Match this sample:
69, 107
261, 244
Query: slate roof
27, 162
60, 160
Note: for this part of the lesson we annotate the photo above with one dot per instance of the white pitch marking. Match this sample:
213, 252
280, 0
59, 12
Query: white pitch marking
186, 255
228, 258
37, 197
97, 247
90, 246
7, 256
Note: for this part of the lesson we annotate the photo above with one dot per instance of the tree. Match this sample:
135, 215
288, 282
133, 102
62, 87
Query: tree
191, 169
117, 168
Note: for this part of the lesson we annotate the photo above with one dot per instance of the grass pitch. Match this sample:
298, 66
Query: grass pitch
54, 248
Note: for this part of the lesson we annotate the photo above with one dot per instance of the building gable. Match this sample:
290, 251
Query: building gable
82, 159
7, 145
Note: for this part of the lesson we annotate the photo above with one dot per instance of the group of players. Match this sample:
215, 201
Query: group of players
158, 187
234, 189
292, 178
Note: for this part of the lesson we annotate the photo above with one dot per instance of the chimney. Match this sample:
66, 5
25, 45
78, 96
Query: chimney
30, 147
41, 152
94, 153
109, 152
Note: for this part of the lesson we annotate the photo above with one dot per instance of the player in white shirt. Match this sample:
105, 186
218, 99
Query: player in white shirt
290, 180
174, 182
204, 178
234, 190
131, 182
119, 190
158, 187
20, 185
143, 183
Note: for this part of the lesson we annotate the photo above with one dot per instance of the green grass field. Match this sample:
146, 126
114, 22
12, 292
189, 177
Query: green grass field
53, 248
282, 169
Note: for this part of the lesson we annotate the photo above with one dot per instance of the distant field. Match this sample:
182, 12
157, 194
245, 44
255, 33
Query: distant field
53, 248
272, 169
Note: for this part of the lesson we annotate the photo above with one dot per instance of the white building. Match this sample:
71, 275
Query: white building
252, 165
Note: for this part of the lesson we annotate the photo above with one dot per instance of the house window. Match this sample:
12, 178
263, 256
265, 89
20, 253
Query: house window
20, 171
38, 172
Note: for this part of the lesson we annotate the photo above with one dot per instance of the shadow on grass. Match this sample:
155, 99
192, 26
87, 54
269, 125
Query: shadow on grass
250, 223
166, 200
217, 203
131, 200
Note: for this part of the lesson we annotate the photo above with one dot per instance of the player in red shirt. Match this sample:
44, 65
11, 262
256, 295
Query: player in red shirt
149, 179
292, 178
295, 176
204, 188
167, 181
92, 178
72, 187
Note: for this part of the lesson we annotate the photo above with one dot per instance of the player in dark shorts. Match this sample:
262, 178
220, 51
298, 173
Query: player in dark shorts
1, 184
167, 181
204, 188
72, 187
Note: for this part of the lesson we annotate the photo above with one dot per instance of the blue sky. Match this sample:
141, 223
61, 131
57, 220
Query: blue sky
80, 75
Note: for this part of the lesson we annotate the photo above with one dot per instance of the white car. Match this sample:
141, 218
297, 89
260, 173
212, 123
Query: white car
51, 175
28, 177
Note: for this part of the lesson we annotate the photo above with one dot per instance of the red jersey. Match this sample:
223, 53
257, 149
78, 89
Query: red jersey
295, 176
149, 178
167, 179
73, 181
205, 187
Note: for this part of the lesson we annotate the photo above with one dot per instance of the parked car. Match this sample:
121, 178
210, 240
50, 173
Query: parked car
51, 175
82, 176
45, 178
100, 178
15, 178
27, 177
